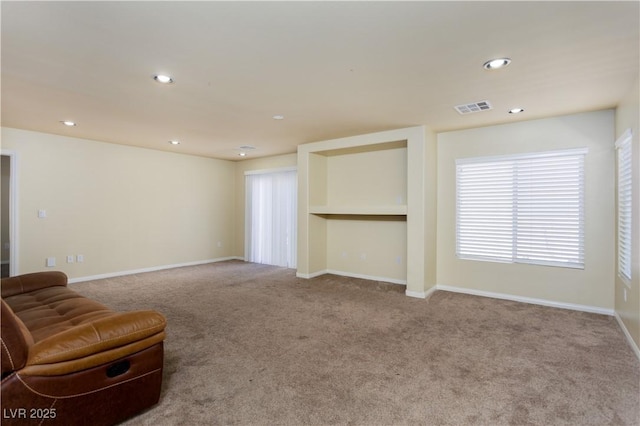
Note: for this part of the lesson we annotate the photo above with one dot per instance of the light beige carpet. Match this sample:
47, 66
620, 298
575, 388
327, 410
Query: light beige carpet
251, 344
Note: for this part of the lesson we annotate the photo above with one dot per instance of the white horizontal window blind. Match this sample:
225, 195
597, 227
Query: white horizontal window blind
525, 209
623, 146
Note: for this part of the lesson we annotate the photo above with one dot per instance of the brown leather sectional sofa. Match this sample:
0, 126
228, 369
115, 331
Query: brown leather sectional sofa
69, 360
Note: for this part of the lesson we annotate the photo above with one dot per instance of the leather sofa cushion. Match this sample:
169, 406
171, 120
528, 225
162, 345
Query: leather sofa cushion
52, 310
66, 326
97, 336
31, 282
91, 361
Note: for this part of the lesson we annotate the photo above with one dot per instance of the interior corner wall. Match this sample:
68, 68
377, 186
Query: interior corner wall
123, 208
264, 163
628, 117
591, 287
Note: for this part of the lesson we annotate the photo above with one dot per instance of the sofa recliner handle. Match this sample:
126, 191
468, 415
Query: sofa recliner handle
118, 369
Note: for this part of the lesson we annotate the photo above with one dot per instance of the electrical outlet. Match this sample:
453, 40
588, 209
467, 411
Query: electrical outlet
51, 262
70, 259
219, 243
80, 258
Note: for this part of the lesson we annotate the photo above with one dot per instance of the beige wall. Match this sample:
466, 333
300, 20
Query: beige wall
589, 287
266, 163
123, 208
628, 117
367, 178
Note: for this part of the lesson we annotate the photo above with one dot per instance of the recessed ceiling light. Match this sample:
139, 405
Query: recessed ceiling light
174, 142
68, 123
278, 117
243, 154
516, 110
494, 64
164, 79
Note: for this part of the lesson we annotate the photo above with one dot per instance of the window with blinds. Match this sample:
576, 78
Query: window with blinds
522, 209
623, 146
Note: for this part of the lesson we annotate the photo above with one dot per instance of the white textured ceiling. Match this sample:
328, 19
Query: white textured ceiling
333, 69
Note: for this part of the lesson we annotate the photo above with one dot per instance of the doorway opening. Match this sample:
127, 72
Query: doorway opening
8, 259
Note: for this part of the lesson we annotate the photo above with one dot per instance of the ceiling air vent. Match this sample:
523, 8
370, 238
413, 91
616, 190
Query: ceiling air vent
473, 107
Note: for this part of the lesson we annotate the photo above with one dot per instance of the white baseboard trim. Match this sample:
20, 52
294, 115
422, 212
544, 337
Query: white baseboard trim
534, 301
429, 292
351, 275
416, 294
311, 275
151, 269
632, 343
367, 277
421, 294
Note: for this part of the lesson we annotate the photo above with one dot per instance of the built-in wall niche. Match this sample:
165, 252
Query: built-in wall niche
362, 207
362, 180
358, 204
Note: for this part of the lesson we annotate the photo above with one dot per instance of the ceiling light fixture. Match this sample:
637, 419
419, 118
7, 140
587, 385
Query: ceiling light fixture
174, 142
243, 154
164, 79
68, 123
516, 110
278, 117
497, 63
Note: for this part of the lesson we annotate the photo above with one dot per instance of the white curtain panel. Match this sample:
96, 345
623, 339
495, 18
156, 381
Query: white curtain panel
271, 218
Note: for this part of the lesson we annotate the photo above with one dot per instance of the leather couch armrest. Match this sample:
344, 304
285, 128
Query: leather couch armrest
30, 282
15, 340
97, 336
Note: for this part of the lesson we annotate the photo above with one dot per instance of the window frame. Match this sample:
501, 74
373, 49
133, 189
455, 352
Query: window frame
510, 239
624, 205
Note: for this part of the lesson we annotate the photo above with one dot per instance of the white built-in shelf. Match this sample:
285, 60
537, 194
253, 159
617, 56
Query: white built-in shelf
357, 192
381, 210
